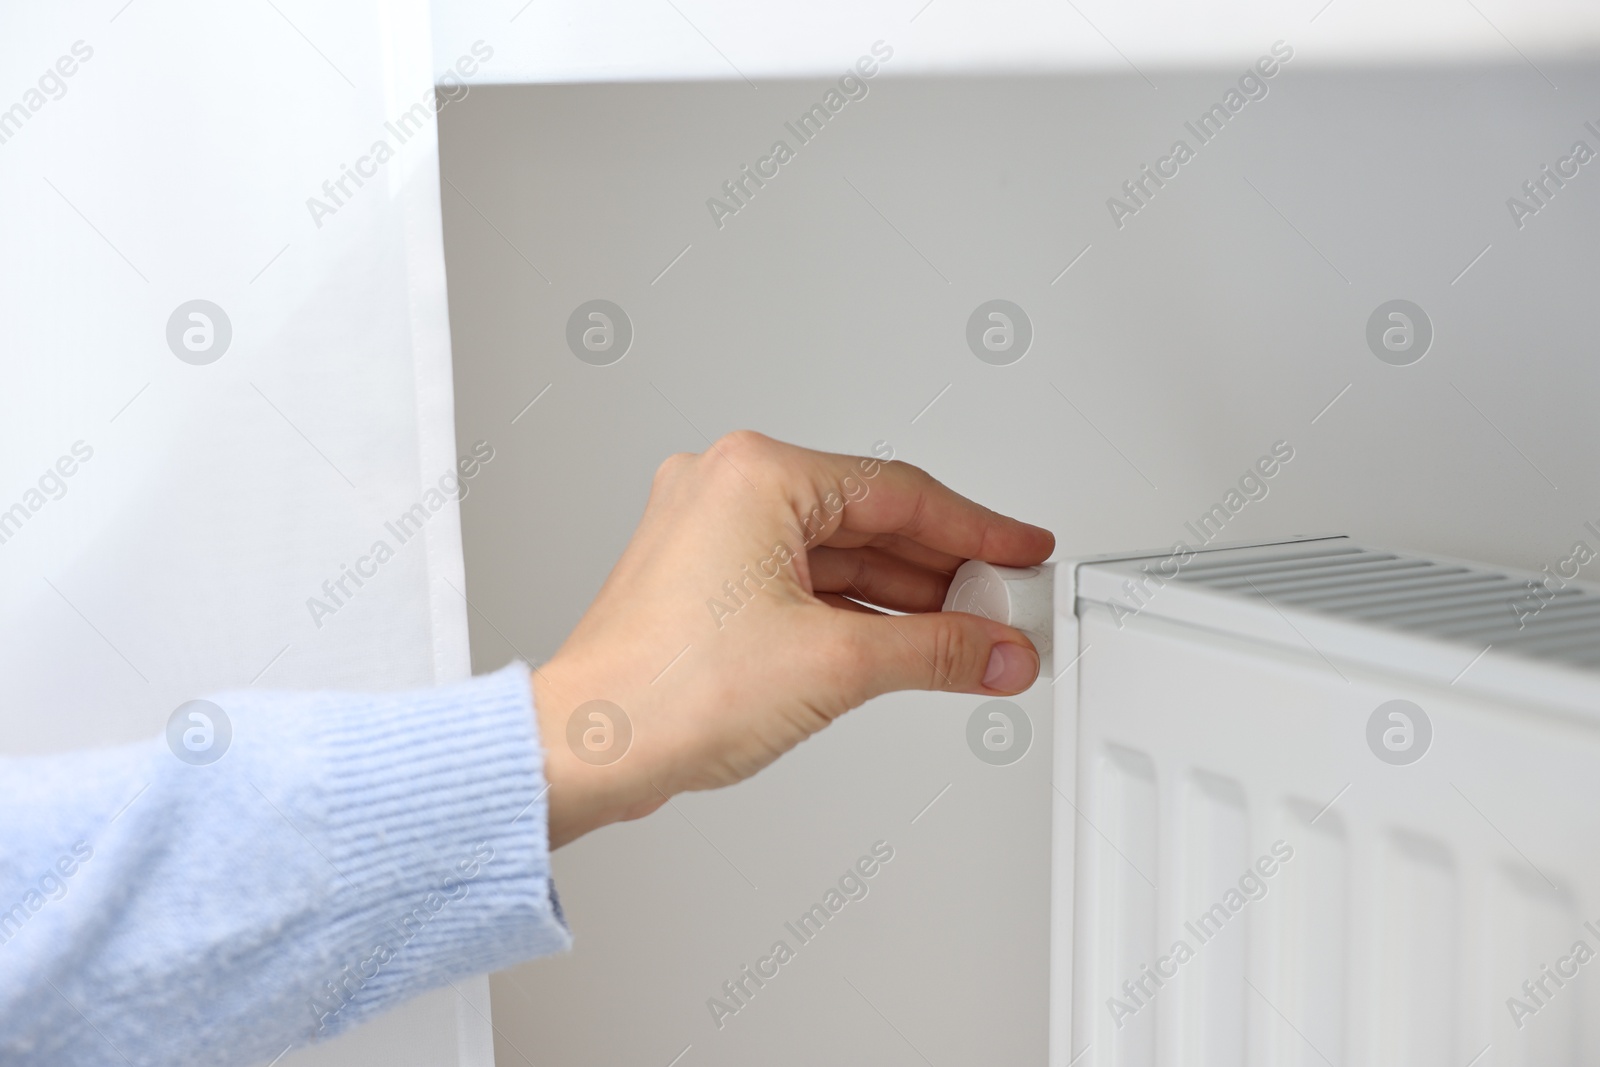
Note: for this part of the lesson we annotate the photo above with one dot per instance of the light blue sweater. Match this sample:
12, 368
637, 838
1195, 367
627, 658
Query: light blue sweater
345, 853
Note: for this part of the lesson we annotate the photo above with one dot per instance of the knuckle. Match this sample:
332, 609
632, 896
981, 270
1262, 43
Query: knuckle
745, 454
669, 467
955, 657
900, 466
745, 444
861, 578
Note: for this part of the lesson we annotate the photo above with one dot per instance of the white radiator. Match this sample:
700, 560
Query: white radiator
1302, 817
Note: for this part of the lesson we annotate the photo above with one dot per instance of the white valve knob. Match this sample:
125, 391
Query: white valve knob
1017, 596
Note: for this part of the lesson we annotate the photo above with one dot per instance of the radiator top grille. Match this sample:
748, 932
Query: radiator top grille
1542, 617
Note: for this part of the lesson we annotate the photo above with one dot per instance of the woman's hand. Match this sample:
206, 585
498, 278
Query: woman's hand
735, 625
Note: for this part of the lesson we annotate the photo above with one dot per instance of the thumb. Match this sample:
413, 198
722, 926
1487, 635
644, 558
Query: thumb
940, 650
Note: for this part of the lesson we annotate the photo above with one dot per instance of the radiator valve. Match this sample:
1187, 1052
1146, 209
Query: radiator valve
1017, 596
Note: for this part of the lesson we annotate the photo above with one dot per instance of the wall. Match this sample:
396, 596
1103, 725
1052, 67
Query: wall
1228, 314
153, 155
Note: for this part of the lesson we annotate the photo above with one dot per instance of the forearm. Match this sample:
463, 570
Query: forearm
346, 853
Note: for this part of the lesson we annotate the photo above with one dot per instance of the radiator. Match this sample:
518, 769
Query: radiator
1318, 803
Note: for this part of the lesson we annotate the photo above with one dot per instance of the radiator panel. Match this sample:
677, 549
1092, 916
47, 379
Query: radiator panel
1229, 713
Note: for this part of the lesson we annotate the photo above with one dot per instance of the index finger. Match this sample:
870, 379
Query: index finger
908, 502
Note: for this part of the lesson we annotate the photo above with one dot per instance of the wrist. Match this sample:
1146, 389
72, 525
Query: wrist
583, 795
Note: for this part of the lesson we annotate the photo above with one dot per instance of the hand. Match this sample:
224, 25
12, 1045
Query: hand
761, 557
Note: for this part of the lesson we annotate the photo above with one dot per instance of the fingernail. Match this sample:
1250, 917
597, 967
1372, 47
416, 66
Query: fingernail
1011, 668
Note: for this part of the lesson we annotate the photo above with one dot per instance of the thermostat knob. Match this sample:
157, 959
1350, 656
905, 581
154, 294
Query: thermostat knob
1017, 596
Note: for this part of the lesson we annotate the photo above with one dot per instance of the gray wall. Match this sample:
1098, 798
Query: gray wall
1223, 317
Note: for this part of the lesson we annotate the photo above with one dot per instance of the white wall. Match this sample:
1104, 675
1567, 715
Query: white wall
1223, 317
647, 40
174, 163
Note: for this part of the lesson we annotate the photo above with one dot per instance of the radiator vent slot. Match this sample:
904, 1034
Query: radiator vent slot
1466, 603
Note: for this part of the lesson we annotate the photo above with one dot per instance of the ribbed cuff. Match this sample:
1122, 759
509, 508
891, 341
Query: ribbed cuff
432, 809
